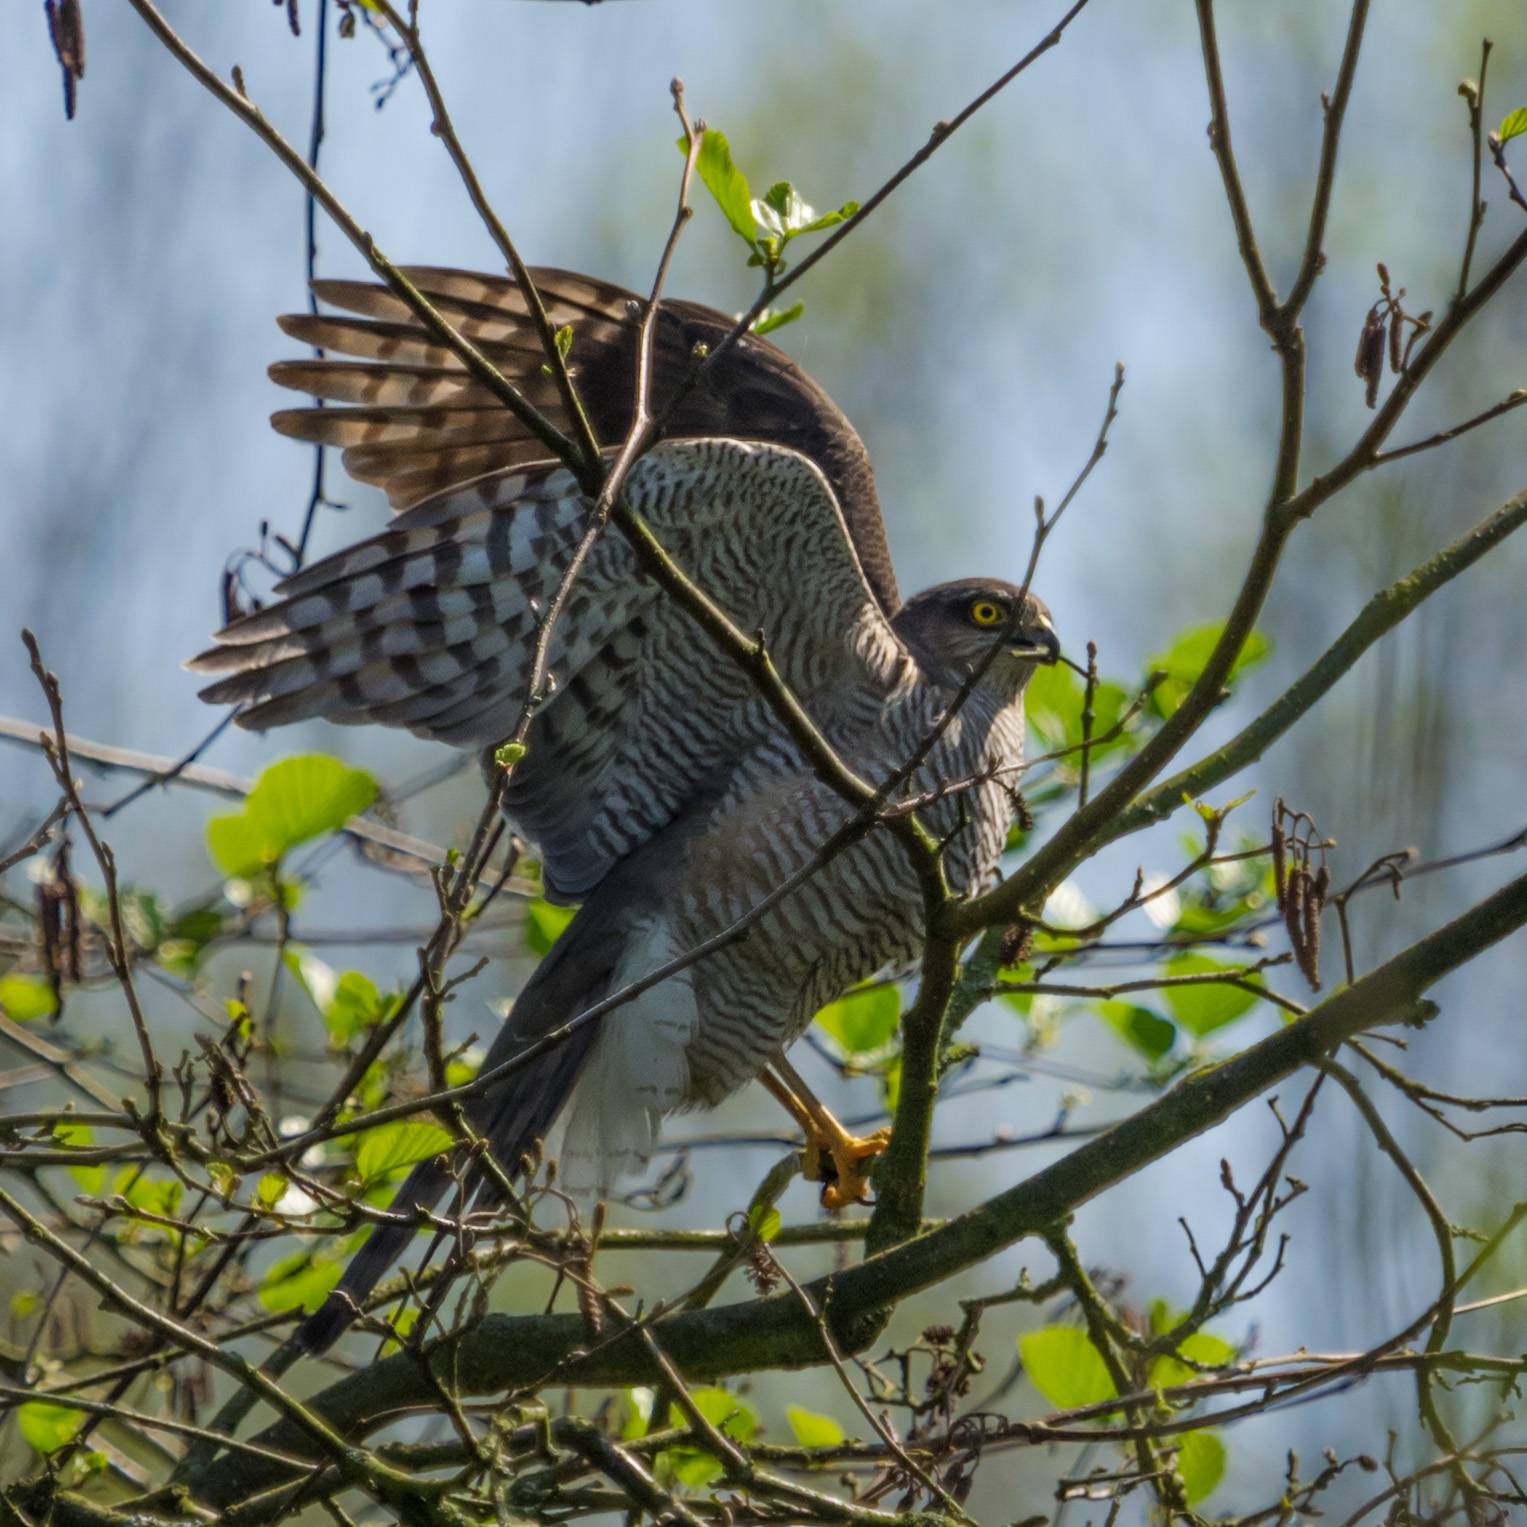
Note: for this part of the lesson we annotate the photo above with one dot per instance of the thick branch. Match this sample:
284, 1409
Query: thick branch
513, 1352
1381, 614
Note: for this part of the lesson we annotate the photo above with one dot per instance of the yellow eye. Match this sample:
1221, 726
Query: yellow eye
986, 613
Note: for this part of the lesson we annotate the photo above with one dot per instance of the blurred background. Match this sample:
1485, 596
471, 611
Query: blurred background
970, 331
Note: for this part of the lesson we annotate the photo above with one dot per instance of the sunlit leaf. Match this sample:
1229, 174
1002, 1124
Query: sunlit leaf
391, 1146
781, 210
356, 1005
91, 1179
25, 999
1513, 125
1204, 1008
764, 1221
1186, 658
725, 182
638, 1416
47, 1427
1064, 1366
776, 318
300, 1281
1052, 704
693, 1466
1146, 1032
811, 1429
1201, 1463
1202, 1349
830, 219
863, 1020
545, 923
292, 801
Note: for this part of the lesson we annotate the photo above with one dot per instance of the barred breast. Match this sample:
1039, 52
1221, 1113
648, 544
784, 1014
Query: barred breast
859, 913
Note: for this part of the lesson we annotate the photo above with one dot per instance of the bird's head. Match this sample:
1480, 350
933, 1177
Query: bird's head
950, 629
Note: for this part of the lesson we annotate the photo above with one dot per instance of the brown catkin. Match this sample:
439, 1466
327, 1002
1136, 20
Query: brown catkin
1293, 905
1309, 951
1279, 856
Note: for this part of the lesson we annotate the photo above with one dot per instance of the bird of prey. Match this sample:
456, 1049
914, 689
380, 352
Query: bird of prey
659, 788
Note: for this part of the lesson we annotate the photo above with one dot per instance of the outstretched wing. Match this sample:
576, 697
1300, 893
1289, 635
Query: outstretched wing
417, 423
431, 626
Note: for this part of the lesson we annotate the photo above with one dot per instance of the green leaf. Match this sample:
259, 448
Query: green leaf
47, 1427
1201, 1463
863, 1020
726, 183
1052, 703
723, 1410
300, 1281
24, 1304
764, 1221
1203, 1009
545, 923
390, 1146
295, 800
564, 340
1185, 659
693, 1466
270, 1190
782, 212
830, 219
355, 1006
1146, 1032
811, 1429
509, 754
91, 1179
1205, 1350
771, 319
638, 1417
1513, 125
1064, 1366
25, 999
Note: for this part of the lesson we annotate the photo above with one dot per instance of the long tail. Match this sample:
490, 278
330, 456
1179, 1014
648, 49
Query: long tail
512, 1116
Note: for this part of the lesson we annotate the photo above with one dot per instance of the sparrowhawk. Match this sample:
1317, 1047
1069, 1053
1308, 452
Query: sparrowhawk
659, 788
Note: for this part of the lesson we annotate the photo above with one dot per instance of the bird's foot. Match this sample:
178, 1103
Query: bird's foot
840, 1161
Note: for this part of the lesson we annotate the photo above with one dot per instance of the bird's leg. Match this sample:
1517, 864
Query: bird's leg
833, 1156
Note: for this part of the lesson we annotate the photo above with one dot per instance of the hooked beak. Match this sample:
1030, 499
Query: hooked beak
1038, 641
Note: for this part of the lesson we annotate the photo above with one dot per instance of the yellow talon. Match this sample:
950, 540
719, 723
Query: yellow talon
831, 1155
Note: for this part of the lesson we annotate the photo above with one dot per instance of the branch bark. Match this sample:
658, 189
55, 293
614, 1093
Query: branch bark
511, 1352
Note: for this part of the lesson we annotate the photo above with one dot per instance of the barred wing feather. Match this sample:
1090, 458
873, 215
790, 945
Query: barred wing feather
431, 626
416, 423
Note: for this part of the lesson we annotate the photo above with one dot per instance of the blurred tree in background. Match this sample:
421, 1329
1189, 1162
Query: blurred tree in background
1103, 1294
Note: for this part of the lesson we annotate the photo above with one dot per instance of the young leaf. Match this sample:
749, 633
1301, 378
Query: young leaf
91, 1179
771, 319
545, 923
764, 1221
1513, 125
726, 183
1201, 1463
1146, 1032
293, 801
355, 1005
390, 1146
830, 219
1064, 1366
1184, 660
24, 999
1200, 1348
863, 1020
811, 1429
47, 1427
300, 1281
1203, 1009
